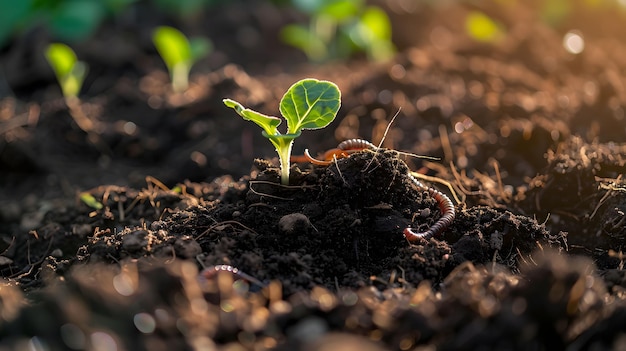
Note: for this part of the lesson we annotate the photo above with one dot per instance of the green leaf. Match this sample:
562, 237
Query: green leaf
179, 54
268, 123
341, 10
62, 59
554, 12
69, 71
310, 104
482, 28
90, 201
302, 38
172, 45
377, 23
72, 82
373, 34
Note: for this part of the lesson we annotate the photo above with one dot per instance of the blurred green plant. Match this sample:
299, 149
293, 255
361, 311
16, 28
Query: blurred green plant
70, 72
179, 54
339, 28
481, 27
554, 12
76, 20
67, 20
185, 8
90, 201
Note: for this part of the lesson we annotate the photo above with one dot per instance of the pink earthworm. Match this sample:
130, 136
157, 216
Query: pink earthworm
344, 149
446, 207
356, 144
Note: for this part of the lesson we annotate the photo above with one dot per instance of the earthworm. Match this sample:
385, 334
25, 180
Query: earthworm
445, 204
344, 149
356, 144
447, 214
210, 272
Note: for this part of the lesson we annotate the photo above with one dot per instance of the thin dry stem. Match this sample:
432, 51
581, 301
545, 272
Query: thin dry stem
208, 230
445, 143
339, 170
383, 138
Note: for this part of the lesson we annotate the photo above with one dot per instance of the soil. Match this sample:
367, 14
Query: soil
529, 141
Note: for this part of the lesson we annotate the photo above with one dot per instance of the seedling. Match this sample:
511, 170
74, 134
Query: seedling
69, 71
179, 54
482, 28
340, 28
308, 104
90, 201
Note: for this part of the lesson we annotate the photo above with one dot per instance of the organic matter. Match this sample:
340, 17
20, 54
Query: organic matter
108, 218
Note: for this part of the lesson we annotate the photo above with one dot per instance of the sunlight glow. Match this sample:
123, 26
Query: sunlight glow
573, 42
103, 341
123, 284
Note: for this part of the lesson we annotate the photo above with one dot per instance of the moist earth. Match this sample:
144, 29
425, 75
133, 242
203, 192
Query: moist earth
118, 211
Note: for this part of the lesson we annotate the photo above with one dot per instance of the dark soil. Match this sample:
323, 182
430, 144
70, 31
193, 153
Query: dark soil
531, 139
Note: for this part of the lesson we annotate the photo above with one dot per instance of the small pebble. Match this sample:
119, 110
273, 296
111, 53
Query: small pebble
294, 223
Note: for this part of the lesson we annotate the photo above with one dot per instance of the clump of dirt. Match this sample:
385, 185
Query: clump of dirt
582, 193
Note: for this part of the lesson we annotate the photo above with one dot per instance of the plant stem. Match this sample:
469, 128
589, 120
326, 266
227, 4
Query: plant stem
180, 77
284, 154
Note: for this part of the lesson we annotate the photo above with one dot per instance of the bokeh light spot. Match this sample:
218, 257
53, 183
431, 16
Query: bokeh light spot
73, 336
573, 42
144, 322
102, 341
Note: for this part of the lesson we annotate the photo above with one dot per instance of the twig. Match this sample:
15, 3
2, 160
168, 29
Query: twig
496, 167
339, 170
445, 143
28, 118
383, 138
208, 230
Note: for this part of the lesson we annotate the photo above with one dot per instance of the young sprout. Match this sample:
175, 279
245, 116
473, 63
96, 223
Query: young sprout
483, 28
179, 54
339, 28
69, 71
90, 201
308, 104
